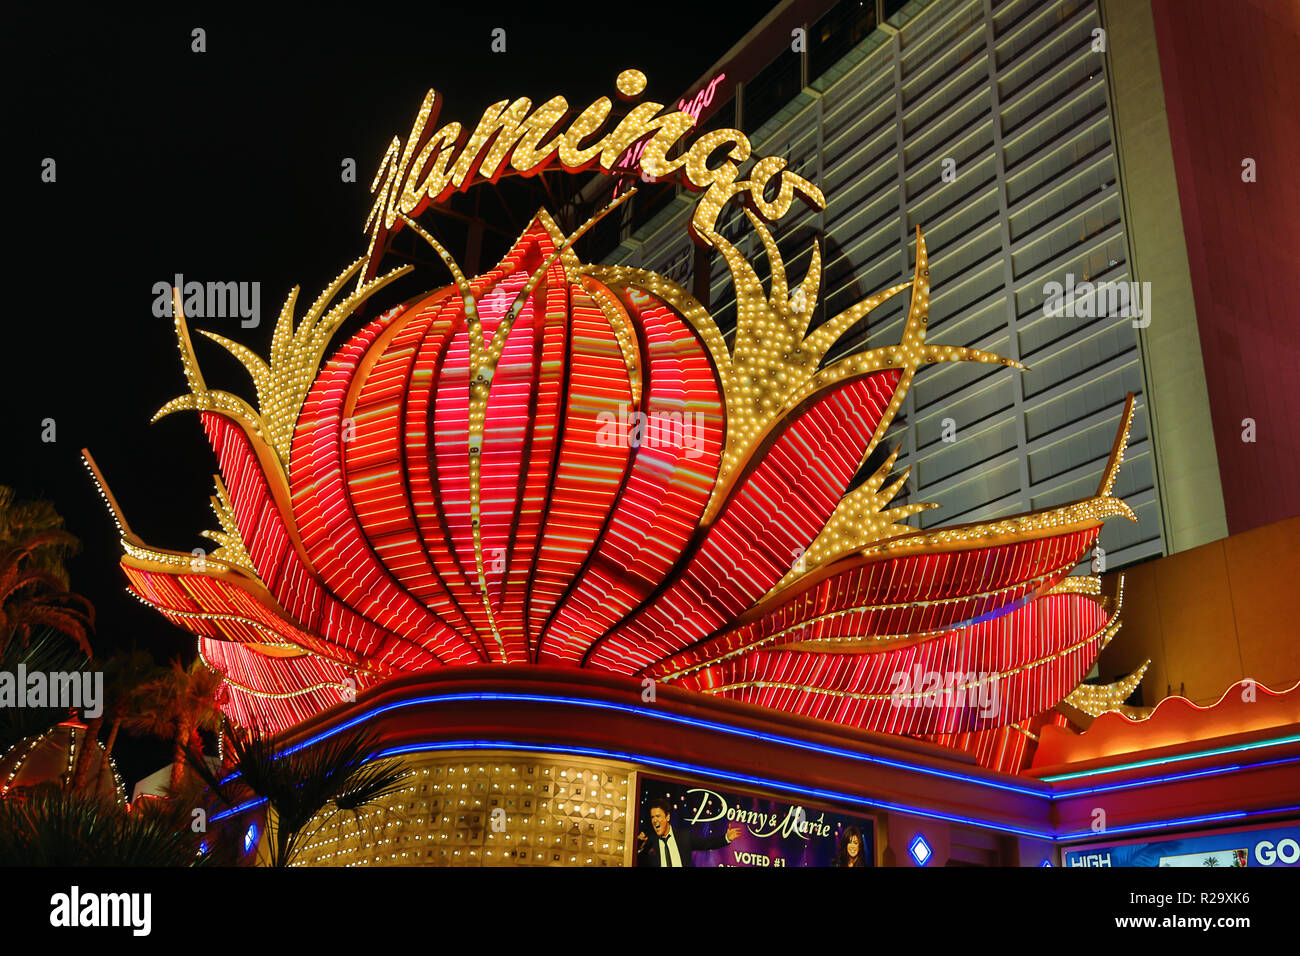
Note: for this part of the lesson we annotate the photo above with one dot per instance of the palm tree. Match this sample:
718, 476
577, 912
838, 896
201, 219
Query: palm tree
21, 519
34, 589
49, 827
338, 775
135, 671
32, 597
176, 706
125, 673
48, 653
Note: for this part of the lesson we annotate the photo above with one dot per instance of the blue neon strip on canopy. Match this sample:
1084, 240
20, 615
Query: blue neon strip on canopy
1173, 778
676, 719
1158, 761
697, 770
831, 795
1092, 835
818, 748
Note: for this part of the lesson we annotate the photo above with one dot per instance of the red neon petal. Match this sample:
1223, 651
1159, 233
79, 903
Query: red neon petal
769, 519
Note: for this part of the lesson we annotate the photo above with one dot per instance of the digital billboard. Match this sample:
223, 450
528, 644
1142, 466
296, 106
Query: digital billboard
1276, 845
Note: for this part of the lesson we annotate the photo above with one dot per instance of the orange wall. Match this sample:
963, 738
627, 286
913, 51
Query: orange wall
1210, 616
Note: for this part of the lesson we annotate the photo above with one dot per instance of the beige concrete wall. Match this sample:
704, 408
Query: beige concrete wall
1213, 615
1178, 402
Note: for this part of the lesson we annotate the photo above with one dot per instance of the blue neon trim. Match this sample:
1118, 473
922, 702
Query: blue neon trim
817, 748
677, 719
695, 769
225, 814
1173, 778
832, 795
1092, 836
1158, 761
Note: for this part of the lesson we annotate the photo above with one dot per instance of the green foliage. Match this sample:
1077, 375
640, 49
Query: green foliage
48, 653
47, 827
34, 594
20, 520
337, 775
175, 706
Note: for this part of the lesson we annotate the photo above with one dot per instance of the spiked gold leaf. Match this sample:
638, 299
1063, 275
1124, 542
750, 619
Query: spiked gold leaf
1097, 699
283, 382
859, 520
230, 542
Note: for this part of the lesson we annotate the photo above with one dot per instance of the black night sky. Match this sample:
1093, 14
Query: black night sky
225, 166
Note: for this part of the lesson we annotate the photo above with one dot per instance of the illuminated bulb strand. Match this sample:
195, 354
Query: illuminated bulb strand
1025, 731
858, 520
1103, 636
271, 695
277, 639
1024, 587
119, 519
1077, 584
624, 332
1116, 458
195, 563
1090, 512
1097, 699
1119, 606
802, 644
230, 543
483, 362
481, 372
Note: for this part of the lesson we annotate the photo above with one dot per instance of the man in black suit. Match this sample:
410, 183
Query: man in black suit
674, 847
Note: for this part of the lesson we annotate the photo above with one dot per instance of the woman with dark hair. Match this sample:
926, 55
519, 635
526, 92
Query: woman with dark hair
852, 849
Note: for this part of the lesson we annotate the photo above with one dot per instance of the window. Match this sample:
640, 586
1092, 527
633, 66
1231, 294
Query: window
844, 27
776, 85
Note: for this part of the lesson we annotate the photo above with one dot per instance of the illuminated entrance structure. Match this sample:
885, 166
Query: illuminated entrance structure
571, 467
565, 464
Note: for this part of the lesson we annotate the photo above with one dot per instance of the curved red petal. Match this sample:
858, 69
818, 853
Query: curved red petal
1022, 663
862, 598
666, 489
770, 518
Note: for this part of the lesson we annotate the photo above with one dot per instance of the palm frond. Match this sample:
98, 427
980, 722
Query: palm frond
46, 652
49, 828
338, 774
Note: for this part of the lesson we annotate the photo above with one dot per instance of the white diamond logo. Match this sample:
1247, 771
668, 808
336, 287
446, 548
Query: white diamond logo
920, 850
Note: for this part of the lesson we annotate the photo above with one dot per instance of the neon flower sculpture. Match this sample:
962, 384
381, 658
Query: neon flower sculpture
457, 486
